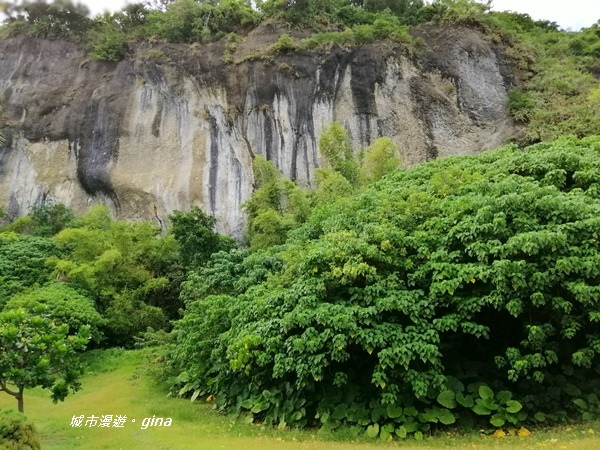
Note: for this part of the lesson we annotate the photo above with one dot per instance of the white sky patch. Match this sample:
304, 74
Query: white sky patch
100, 6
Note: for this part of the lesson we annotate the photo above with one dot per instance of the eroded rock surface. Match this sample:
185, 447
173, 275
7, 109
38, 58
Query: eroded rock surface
174, 126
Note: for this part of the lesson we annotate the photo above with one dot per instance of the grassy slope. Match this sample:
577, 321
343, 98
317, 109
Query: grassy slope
126, 391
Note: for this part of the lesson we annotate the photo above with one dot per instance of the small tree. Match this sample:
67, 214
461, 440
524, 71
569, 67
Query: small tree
49, 219
378, 160
34, 351
193, 230
335, 147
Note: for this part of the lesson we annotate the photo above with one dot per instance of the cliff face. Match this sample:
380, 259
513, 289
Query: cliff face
174, 126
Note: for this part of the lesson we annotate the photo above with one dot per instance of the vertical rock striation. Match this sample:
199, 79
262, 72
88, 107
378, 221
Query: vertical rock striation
174, 126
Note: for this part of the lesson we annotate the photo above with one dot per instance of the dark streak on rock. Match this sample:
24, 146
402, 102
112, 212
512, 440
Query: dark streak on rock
214, 166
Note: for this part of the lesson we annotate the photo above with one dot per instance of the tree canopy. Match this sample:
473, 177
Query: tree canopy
34, 351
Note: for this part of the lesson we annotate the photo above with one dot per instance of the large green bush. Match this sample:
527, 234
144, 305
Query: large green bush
129, 270
462, 289
63, 304
16, 433
23, 263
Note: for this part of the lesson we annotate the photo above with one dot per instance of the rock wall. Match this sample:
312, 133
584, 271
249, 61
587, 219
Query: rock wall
174, 126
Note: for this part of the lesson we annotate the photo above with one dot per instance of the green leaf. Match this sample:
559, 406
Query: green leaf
447, 399
540, 416
503, 396
465, 400
490, 404
411, 427
418, 436
195, 395
247, 404
411, 411
260, 407
385, 435
486, 393
522, 415
339, 412
481, 410
364, 421
513, 406
497, 420
428, 416
401, 432
446, 417
581, 403
572, 390
394, 411
512, 418
372, 430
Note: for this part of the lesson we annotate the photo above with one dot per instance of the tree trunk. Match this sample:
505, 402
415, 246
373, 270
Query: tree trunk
17, 395
20, 400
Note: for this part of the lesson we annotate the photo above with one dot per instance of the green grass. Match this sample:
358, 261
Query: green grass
115, 385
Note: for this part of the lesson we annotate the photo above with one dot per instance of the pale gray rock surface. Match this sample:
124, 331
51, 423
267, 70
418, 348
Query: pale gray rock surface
174, 126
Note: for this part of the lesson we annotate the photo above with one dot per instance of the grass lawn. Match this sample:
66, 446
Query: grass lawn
120, 388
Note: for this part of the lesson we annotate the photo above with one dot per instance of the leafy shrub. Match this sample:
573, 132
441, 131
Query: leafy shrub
49, 219
38, 353
63, 304
23, 263
190, 21
231, 45
285, 43
131, 272
16, 433
58, 20
470, 280
378, 160
335, 147
520, 104
467, 12
108, 44
193, 231
277, 206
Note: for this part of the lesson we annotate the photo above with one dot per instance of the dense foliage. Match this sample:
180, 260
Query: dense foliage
193, 231
119, 279
123, 267
63, 304
461, 289
464, 291
23, 263
16, 433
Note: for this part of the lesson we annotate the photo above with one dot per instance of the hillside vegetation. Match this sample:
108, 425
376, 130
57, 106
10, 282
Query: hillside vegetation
462, 291
462, 294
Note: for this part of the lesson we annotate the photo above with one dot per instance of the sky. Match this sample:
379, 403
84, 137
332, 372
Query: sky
573, 14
